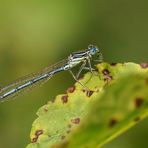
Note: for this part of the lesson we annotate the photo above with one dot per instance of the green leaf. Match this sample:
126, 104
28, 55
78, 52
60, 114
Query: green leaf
117, 99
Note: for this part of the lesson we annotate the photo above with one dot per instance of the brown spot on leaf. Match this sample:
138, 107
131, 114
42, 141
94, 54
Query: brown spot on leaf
75, 121
64, 99
112, 122
34, 140
62, 137
107, 75
106, 72
108, 78
46, 109
71, 89
84, 90
138, 102
37, 134
89, 93
144, 65
68, 131
137, 119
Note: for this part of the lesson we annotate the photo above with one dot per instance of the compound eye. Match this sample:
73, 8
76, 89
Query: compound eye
91, 47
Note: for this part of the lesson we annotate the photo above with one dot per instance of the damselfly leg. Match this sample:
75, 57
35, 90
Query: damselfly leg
90, 69
83, 67
77, 80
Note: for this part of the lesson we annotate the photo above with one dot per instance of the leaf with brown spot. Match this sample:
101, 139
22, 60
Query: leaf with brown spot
106, 114
60, 117
111, 115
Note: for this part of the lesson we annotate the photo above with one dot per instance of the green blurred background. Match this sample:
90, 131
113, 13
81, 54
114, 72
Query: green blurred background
35, 34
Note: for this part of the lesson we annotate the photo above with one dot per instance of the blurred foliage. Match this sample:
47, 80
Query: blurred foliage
34, 34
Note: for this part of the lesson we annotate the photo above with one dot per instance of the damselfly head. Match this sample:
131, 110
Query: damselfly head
93, 49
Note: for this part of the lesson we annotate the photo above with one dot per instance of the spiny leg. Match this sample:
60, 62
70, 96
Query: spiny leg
77, 79
100, 60
81, 68
91, 70
90, 67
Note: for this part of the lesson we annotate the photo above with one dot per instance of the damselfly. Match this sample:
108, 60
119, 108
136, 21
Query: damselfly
26, 83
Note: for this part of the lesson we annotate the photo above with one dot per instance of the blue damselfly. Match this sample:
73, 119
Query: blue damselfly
35, 79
